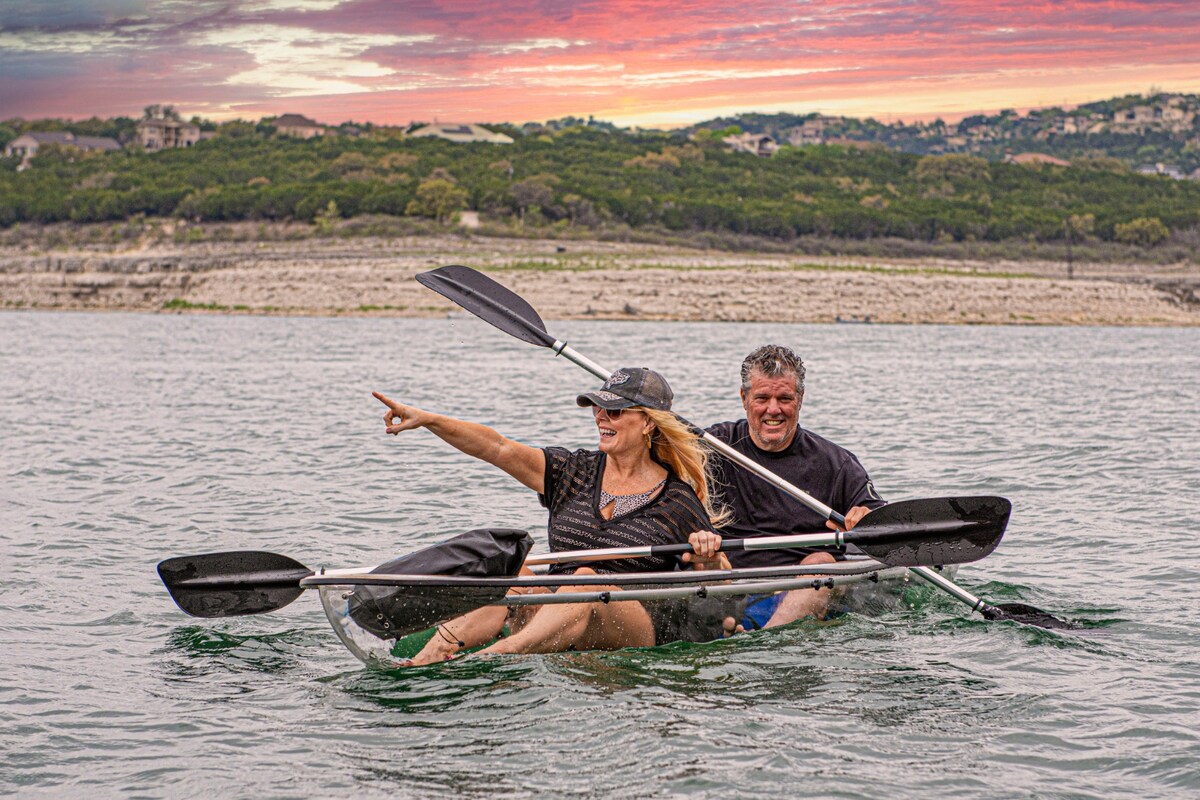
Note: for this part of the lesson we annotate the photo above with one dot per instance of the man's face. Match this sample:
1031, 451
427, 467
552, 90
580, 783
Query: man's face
772, 409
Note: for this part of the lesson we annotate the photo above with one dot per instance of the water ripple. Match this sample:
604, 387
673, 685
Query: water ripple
207, 433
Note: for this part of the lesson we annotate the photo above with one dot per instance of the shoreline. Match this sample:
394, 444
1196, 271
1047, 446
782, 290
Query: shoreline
595, 280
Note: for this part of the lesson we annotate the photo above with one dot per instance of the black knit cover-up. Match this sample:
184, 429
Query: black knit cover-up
572, 495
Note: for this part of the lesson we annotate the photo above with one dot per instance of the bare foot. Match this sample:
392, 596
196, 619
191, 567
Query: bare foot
435, 650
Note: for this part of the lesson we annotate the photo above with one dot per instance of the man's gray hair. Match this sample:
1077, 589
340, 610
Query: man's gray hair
773, 361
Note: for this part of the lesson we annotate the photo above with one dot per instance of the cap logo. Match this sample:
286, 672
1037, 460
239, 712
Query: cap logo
617, 379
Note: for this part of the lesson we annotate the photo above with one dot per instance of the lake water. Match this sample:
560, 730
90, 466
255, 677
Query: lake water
126, 439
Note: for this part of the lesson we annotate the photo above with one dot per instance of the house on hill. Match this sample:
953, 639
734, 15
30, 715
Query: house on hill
811, 131
461, 133
161, 134
755, 144
26, 145
1169, 170
298, 126
1028, 159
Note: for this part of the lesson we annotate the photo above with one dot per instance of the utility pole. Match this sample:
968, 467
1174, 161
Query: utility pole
1070, 255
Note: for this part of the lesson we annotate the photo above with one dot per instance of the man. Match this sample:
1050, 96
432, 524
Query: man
772, 393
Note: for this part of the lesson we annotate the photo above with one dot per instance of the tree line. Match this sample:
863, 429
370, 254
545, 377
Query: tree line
587, 177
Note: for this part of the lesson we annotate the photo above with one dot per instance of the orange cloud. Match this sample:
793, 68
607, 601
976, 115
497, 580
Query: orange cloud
647, 63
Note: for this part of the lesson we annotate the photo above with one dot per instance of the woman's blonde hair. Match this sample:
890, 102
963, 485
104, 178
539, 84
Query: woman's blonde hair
675, 446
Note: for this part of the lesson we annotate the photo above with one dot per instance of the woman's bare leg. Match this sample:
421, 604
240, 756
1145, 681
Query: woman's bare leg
585, 626
470, 630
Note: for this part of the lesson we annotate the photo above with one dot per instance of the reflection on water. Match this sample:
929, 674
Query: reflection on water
191, 651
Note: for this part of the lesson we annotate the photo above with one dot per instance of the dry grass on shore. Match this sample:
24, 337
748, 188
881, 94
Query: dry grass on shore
233, 270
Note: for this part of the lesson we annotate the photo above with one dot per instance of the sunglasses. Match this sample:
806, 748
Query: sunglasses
613, 414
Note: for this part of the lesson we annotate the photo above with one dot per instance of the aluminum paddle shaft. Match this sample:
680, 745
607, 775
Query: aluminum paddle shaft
909, 533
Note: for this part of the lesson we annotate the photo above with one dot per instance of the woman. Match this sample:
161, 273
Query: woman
645, 484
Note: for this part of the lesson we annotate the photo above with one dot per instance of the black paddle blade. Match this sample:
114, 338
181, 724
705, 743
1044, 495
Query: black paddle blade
232, 584
391, 611
932, 531
489, 301
1027, 615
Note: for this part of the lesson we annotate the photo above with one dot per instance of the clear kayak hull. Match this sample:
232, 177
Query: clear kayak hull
867, 593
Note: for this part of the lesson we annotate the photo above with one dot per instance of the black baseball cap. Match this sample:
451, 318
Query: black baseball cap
628, 387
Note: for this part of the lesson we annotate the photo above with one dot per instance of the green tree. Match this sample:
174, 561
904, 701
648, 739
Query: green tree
958, 170
532, 192
437, 198
1143, 231
1081, 226
158, 111
327, 217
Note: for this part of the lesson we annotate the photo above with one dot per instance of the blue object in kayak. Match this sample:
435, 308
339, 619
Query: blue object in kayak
759, 610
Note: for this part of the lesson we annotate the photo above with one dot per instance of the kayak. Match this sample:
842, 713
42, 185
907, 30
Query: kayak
868, 587
372, 609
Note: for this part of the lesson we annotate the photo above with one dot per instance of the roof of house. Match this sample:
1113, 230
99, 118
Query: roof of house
296, 121
70, 139
747, 137
460, 132
50, 137
1036, 158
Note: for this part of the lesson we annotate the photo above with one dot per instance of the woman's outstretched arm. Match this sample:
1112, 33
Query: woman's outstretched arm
526, 464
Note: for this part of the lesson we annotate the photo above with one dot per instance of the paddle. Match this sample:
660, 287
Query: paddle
232, 584
502, 308
237, 583
909, 533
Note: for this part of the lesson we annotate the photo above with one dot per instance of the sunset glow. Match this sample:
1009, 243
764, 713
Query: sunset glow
653, 63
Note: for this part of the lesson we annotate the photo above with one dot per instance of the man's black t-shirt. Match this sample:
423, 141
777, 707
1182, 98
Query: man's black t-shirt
572, 493
826, 471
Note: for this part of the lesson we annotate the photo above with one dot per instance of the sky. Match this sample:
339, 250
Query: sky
657, 63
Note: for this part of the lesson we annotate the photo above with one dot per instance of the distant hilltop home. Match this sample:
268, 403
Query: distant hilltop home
753, 143
299, 126
461, 133
1173, 113
1027, 159
1170, 170
26, 145
161, 134
812, 131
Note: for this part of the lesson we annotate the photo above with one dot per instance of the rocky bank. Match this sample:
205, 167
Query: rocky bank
596, 280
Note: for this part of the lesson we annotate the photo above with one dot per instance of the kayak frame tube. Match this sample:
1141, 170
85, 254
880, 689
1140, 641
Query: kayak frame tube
679, 592
841, 568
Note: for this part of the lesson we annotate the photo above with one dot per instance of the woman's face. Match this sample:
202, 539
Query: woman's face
621, 431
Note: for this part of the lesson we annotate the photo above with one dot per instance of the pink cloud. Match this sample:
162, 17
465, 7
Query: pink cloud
639, 63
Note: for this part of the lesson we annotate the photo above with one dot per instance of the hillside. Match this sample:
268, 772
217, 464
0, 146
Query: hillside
586, 179
1142, 131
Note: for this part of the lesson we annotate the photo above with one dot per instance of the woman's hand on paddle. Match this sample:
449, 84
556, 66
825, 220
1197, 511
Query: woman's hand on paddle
706, 547
853, 517
400, 417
